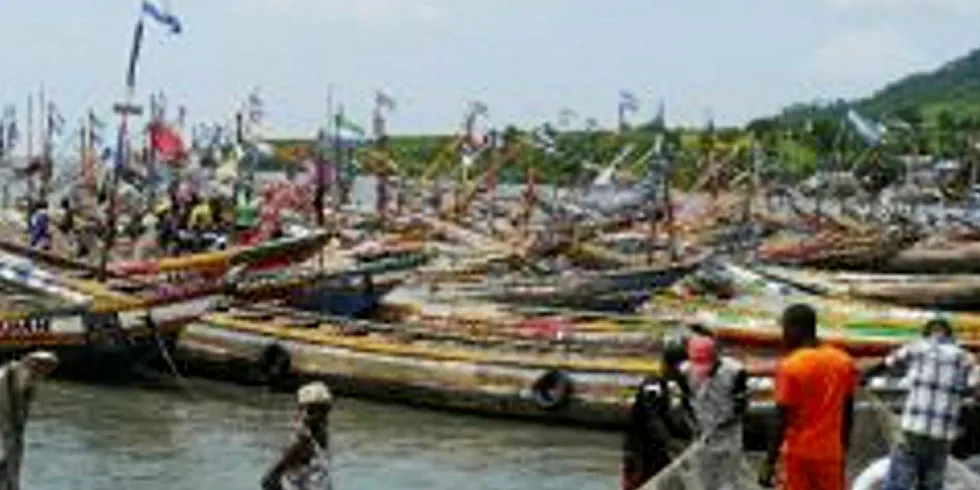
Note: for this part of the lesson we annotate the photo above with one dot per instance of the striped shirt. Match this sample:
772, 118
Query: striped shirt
939, 376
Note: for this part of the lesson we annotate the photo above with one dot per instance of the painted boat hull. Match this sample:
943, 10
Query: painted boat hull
958, 258
345, 296
955, 292
620, 291
103, 346
478, 380
339, 292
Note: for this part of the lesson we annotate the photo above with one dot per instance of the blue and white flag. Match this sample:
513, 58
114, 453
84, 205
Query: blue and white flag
163, 16
872, 133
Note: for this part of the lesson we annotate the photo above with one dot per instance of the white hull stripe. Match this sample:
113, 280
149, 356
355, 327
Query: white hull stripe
129, 320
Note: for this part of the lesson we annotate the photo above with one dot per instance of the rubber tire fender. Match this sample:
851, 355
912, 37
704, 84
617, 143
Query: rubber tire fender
553, 390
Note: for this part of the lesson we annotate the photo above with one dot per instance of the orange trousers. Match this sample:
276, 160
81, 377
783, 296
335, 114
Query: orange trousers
810, 474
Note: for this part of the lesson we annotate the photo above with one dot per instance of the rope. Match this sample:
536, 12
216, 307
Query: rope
181, 380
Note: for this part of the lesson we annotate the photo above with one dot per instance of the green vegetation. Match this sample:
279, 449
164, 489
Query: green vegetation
927, 113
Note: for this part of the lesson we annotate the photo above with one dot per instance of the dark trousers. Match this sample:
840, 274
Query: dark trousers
917, 462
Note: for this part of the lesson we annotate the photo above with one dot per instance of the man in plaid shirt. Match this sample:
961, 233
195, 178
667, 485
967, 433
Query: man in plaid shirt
940, 375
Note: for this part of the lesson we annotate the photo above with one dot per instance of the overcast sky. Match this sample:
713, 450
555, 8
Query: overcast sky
527, 59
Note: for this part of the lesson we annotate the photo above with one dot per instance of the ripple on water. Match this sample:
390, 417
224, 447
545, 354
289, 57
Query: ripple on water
223, 437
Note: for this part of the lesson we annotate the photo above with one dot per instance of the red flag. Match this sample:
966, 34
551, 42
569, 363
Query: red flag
166, 142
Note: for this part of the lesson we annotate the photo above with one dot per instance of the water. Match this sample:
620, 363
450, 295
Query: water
224, 437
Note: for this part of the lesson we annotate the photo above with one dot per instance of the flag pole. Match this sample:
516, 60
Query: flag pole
329, 131
339, 155
151, 154
125, 109
30, 146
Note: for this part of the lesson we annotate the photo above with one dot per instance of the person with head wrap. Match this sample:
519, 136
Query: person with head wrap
18, 380
715, 389
305, 464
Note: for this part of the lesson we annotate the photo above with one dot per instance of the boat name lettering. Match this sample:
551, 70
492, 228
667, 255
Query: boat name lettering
32, 324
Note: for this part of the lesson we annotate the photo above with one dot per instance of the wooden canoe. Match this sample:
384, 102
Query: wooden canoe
955, 258
502, 379
282, 251
947, 292
619, 290
101, 345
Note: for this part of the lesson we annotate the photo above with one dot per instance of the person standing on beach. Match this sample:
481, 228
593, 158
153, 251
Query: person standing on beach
18, 380
39, 230
716, 393
305, 464
941, 374
654, 436
814, 395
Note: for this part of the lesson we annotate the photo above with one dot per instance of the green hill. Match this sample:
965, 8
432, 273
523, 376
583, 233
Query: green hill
941, 109
948, 97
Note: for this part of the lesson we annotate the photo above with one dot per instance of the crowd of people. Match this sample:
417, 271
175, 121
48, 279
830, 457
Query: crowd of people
178, 224
815, 387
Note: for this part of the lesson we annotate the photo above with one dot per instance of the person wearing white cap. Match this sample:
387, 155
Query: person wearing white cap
305, 464
17, 382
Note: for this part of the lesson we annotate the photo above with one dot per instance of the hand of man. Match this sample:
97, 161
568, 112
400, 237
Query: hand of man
767, 473
270, 483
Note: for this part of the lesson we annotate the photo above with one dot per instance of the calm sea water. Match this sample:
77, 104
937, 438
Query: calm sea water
224, 437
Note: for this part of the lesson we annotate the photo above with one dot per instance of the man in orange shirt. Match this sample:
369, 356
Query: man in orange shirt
814, 397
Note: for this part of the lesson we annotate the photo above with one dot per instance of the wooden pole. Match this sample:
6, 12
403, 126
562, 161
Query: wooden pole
318, 161
151, 155
671, 231
43, 109
341, 198
30, 149
83, 169
46, 114
30, 127
125, 110
327, 134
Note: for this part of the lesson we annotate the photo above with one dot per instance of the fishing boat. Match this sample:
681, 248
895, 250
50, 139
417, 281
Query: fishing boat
273, 253
618, 290
354, 290
106, 345
747, 314
103, 330
946, 292
948, 257
452, 367
835, 249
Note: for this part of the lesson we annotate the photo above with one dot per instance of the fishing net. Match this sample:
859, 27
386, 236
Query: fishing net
871, 440
685, 472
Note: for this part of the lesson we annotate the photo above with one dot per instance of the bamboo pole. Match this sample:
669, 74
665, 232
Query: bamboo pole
151, 154
30, 127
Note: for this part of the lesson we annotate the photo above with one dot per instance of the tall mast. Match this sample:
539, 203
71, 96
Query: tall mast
82, 170
151, 153
339, 154
125, 109
328, 131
